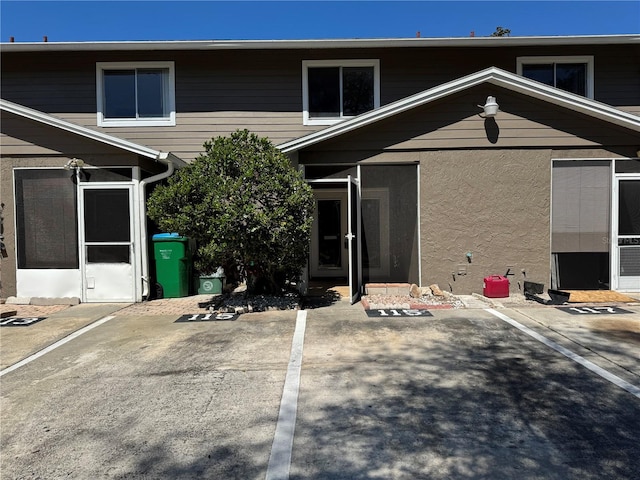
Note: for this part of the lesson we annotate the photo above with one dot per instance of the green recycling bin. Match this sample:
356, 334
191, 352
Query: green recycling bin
173, 264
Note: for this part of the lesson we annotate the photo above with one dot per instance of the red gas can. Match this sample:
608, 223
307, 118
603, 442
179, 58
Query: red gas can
496, 286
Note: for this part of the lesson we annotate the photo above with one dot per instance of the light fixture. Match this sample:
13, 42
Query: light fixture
74, 163
490, 107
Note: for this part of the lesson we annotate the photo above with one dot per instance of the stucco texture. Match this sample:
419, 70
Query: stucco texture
493, 204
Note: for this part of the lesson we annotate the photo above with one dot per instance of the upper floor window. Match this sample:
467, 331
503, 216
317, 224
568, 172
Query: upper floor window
135, 94
572, 74
336, 89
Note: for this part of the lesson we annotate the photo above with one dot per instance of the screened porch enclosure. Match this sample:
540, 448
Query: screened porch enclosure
390, 223
75, 233
388, 210
595, 237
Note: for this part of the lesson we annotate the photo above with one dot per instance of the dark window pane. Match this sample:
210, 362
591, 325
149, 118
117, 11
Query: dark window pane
572, 77
151, 93
106, 174
108, 254
629, 208
357, 88
324, 92
119, 94
539, 73
628, 166
328, 171
47, 234
330, 234
106, 215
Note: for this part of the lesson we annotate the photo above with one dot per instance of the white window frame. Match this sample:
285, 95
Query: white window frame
588, 59
169, 120
307, 120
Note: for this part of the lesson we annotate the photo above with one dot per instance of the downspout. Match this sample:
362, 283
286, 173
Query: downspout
144, 244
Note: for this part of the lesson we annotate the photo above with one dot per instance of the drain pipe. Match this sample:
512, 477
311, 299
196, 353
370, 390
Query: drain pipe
169, 160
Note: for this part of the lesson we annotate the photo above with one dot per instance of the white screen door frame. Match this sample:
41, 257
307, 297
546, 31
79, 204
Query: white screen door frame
335, 198
347, 190
625, 240
108, 258
354, 228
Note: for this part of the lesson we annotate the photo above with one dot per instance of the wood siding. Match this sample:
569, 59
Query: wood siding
28, 139
454, 123
218, 92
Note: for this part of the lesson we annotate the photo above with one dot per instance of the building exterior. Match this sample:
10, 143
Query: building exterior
416, 178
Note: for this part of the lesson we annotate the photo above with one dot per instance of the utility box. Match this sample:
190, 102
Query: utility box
173, 264
496, 286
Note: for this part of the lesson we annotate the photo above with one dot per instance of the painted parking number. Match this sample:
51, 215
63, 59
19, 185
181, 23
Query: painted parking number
220, 316
593, 310
23, 322
396, 313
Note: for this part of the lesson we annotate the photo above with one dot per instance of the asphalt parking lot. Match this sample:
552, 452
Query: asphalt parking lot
458, 394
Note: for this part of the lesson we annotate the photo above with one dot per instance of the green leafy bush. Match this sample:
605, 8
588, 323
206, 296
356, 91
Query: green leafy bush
247, 208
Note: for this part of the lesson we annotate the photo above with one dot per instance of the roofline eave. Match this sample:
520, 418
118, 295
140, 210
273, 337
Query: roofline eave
117, 142
329, 43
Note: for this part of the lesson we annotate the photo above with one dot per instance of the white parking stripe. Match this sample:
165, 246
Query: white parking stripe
569, 354
280, 459
53, 346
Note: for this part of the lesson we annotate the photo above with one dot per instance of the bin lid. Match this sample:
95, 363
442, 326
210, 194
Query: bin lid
165, 237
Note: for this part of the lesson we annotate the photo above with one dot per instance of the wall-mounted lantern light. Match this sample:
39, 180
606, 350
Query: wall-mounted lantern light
490, 107
74, 163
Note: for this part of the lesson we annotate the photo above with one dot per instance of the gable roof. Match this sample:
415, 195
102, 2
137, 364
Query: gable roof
493, 75
117, 142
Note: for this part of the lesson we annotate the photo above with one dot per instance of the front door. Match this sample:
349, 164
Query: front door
627, 234
107, 252
329, 248
335, 238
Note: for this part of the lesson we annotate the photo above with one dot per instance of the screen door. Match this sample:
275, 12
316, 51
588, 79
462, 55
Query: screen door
627, 242
353, 239
107, 244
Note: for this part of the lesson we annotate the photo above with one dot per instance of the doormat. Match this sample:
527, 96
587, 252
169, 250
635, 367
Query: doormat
593, 310
397, 313
597, 296
207, 317
20, 322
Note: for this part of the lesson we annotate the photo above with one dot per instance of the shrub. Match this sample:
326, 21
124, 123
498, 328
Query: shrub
247, 208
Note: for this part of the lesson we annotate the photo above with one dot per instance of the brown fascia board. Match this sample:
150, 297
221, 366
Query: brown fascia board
493, 75
319, 43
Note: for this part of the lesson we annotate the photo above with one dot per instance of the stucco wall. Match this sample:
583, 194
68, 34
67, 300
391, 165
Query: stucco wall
492, 203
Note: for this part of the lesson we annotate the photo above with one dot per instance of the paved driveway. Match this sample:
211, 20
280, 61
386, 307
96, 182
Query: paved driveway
462, 394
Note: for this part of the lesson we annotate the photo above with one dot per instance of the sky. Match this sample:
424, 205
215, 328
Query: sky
120, 20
